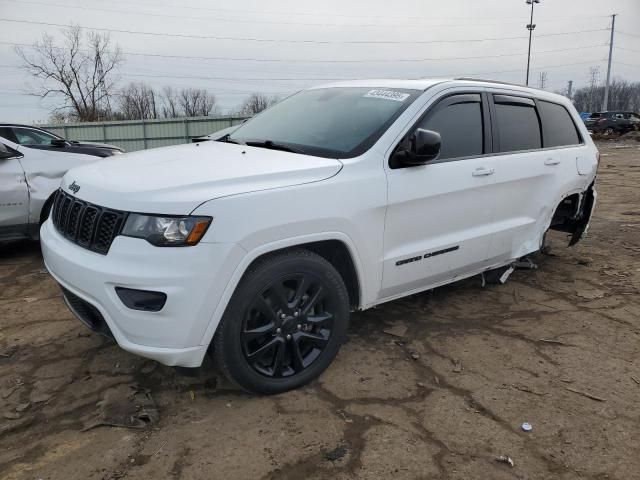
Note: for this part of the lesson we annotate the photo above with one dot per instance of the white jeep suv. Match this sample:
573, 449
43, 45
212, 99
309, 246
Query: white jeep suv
256, 247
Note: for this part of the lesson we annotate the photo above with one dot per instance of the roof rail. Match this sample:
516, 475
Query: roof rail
489, 81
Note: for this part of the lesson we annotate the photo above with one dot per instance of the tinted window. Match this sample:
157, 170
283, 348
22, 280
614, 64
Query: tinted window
518, 126
460, 126
27, 136
557, 126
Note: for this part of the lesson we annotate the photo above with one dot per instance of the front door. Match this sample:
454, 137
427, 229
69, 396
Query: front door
14, 195
438, 222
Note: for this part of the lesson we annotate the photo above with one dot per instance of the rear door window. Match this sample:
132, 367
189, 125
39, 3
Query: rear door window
458, 120
518, 123
558, 127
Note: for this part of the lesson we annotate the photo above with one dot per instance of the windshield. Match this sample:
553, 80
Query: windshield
595, 115
330, 122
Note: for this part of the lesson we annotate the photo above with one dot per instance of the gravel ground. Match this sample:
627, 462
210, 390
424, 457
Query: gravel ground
436, 385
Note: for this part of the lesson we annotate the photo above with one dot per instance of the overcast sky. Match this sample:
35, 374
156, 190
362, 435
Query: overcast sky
281, 46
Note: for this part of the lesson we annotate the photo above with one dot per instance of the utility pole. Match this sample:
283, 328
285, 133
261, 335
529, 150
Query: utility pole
542, 80
594, 73
530, 27
605, 103
569, 89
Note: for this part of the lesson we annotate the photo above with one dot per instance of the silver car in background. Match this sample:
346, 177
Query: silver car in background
29, 178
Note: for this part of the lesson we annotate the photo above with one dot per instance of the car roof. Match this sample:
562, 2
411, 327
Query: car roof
21, 126
425, 83
419, 84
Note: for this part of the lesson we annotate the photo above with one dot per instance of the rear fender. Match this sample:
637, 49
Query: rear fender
577, 223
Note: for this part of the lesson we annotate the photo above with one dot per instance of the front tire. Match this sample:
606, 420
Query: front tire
284, 324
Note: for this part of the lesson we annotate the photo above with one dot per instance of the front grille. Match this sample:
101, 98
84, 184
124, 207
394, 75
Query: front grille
85, 224
87, 313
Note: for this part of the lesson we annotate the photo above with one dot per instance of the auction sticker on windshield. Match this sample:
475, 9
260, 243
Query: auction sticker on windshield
387, 95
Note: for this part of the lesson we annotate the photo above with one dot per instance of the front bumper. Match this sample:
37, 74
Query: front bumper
193, 278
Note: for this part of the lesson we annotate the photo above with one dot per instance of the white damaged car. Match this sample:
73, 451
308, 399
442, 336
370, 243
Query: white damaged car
255, 247
29, 180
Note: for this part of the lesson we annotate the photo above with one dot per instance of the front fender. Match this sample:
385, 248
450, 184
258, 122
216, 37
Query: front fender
261, 250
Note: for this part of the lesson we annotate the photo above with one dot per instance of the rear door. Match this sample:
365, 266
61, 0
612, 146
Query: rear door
534, 162
438, 217
14, 194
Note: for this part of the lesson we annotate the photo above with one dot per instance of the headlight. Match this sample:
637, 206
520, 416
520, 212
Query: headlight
166, 231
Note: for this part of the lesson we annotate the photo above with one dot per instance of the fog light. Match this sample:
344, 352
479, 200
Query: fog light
144, 300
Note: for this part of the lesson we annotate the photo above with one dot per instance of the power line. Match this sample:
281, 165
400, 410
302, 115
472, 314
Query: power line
316, 79
193, 77
305, 41
626, 64
627, 49
235, 20
629, 34
271, 22
315, 15
393, 60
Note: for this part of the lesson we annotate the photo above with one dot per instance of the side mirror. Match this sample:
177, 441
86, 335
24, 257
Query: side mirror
420, 148
10, 154
58, 142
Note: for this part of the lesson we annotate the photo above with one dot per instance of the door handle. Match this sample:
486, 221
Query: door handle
482, 171
551, 161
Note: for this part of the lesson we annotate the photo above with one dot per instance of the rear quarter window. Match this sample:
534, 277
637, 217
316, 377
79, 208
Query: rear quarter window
558, 128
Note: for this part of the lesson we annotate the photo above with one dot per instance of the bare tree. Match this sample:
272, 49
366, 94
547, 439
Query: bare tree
81, 71
196, 102
255, 103
623, 95
170, 103
137, 101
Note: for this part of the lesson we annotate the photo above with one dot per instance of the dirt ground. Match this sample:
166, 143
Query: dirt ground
440, 395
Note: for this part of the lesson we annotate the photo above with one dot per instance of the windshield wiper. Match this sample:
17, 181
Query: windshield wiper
271, 145
227, 139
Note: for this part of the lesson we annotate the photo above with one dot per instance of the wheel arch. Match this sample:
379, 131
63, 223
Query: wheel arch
573, 213
336, 247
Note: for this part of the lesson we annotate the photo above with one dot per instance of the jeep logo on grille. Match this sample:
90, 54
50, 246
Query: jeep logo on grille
74, 187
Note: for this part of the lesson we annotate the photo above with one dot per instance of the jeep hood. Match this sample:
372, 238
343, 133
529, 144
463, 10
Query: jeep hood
175, 180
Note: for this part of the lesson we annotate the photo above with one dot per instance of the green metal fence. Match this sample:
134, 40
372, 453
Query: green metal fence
142, 134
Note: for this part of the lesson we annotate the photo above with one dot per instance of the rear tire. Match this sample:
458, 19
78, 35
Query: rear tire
284, 324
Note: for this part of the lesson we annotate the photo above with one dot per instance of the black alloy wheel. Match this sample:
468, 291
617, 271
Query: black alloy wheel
284, 324
288, 325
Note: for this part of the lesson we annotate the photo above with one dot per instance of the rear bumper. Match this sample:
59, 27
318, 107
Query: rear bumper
193, 279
